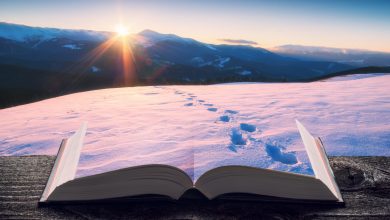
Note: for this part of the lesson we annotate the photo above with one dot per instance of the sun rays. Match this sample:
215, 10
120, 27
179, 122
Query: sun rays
121, 30
128, 61
117, 59
119, 47
96, 53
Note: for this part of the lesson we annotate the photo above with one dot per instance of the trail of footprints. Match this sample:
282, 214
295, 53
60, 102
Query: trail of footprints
240, 136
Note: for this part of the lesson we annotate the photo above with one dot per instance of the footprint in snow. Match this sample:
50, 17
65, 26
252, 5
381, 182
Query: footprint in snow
247, 127
236, 137
277, 154
189, 99
208, 104
200, 100
224, 118
212, 109
231, 111
188, 104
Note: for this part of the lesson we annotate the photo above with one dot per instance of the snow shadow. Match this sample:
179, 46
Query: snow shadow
276, 154
231, 112
224, 118
247, 127
237, 138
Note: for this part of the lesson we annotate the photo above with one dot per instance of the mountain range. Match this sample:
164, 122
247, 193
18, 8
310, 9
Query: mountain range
353, 57
38, 62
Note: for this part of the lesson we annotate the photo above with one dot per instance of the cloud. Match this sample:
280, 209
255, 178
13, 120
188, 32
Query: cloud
238, 41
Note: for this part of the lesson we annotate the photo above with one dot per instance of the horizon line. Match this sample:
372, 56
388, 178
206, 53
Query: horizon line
258, 45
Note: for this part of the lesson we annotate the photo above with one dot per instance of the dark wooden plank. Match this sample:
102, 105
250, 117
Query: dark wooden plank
364, 182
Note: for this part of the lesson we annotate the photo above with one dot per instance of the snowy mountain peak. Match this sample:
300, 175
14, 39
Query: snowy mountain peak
22, 33
153, 37
148, 32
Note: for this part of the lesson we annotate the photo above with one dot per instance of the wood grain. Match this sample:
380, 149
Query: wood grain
364, 184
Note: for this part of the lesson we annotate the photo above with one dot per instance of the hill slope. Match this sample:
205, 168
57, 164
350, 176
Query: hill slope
224, 122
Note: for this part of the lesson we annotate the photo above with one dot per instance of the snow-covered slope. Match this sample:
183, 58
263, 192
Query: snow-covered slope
26, 33
248, 123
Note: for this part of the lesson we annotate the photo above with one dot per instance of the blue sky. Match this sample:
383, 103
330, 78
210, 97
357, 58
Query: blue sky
343, 23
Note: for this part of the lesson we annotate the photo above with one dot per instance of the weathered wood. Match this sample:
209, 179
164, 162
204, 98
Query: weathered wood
364, 182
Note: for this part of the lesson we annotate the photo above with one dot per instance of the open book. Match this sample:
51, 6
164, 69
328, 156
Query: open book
64, 184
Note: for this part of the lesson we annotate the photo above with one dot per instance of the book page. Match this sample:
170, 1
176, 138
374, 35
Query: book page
191, 128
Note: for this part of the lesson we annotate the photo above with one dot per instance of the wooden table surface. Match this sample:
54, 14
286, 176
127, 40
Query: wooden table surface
364, 183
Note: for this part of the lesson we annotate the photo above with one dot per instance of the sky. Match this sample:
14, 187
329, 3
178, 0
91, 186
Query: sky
339, 23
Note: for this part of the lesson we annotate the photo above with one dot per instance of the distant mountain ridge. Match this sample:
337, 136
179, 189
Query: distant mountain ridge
31, 44
354, 57
314, 49
25, 33
42, 62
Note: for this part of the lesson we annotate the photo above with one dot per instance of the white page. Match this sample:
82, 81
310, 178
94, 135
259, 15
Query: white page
189, 128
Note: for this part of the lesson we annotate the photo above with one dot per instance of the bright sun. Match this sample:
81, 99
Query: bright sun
121, 30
